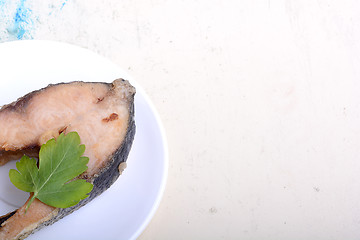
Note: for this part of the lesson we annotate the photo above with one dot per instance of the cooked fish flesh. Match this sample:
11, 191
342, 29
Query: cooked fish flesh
103, 116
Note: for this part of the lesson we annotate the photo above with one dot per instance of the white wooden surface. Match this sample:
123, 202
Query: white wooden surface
260, 100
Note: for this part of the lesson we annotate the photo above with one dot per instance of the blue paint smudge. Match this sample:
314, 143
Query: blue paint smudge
19, 19
59, 8
21, 25
22, 21
63, 4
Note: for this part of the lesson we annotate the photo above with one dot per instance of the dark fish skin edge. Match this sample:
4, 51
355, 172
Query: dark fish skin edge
6, 217
103, 180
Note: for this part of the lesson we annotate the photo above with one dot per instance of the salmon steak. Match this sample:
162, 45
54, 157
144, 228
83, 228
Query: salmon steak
103, 116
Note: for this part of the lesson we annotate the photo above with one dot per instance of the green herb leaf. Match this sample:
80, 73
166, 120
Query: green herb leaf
60, 161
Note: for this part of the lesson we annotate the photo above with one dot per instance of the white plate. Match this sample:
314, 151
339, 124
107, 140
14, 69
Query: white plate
124, 210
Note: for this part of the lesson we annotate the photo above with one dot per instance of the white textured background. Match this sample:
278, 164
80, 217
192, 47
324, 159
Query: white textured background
260, 100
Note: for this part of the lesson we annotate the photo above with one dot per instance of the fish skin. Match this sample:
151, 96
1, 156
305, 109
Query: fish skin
102, 180
6, 216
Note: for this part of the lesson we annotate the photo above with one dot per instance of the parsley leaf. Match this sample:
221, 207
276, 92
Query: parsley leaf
60, 161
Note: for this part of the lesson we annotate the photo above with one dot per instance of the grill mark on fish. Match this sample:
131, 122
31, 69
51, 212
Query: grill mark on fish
63, 129
100, 99
112, 117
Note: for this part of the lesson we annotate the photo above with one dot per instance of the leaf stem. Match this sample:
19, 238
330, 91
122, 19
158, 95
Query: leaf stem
30, 201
